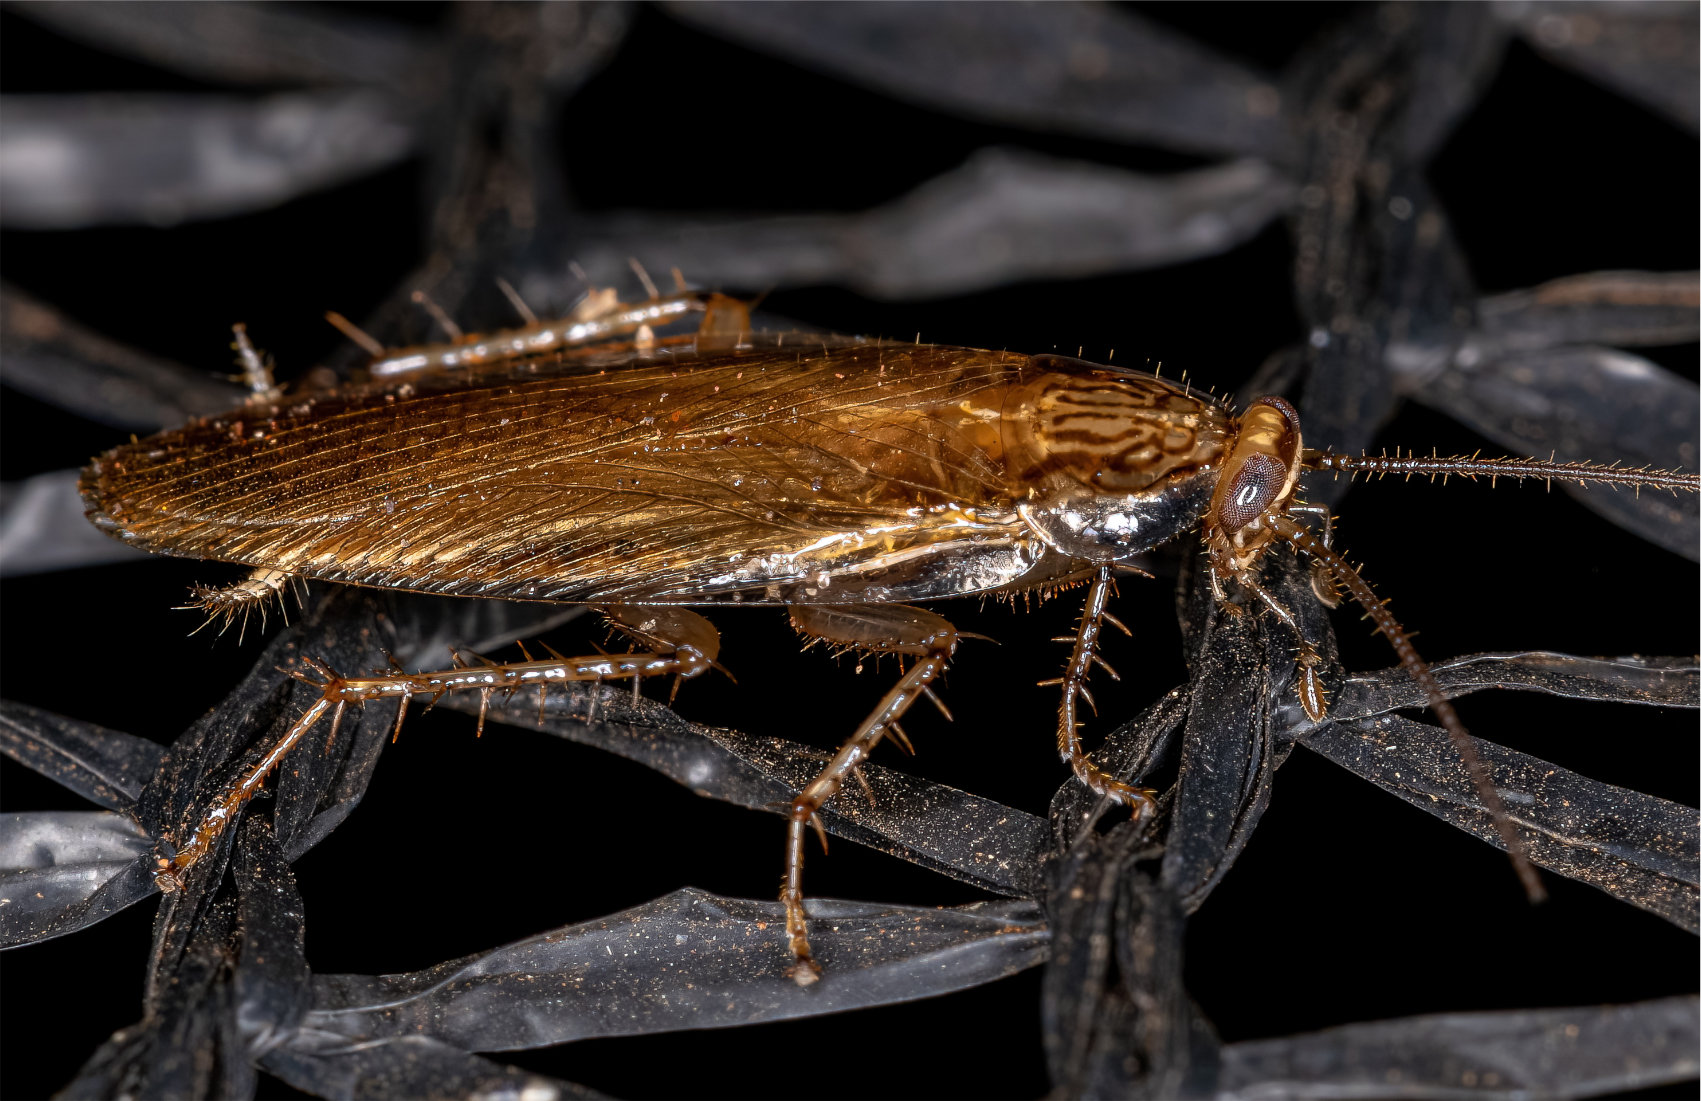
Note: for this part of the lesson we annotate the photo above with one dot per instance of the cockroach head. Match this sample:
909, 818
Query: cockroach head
1256, 483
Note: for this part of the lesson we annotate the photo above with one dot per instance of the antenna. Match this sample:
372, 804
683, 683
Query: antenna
1377, 610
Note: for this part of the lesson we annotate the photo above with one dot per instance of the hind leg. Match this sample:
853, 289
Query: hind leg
679, 643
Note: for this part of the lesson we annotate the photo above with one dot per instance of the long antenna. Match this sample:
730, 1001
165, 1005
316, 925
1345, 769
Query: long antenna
1474, 466
1390, 627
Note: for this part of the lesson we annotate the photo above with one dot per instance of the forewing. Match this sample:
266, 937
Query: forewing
669, 477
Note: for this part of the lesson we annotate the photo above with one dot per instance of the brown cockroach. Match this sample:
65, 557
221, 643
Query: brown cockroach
843, 479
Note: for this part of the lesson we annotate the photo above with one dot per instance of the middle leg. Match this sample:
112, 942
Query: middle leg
1074, 682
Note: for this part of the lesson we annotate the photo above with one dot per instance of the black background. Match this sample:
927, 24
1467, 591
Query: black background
1346, 906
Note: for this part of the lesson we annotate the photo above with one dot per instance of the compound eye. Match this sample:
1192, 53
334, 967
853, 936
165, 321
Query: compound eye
1261, 468
1251, 489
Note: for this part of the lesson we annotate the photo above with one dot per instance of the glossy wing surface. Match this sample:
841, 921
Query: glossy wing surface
672, 478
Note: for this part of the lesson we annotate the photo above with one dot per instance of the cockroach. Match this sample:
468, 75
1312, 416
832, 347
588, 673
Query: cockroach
843, 479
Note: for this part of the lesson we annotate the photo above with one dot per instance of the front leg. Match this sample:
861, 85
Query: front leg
1307, 683
1074, 682
874, 628
1322, 581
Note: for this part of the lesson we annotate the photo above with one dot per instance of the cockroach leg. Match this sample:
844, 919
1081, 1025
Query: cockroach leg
1074, 682
1250, 583
336, 691
1322, 581
664, 627
169, 873
599, 317
1218, 593
1312, 695
1324, 517
253, 593
878, 628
